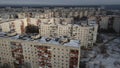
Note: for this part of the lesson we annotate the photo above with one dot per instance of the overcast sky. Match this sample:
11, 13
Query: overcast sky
60, 2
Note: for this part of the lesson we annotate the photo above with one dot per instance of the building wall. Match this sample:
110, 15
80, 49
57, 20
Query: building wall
5, 27
5, 53
104, 22
116, 24
45, 30
83, 34
64, 30
21, 15
37, 55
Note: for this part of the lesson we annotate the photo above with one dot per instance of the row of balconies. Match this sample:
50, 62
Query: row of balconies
73, 59
44, 56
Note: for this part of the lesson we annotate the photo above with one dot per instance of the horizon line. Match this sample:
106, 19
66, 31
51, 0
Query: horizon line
60, 4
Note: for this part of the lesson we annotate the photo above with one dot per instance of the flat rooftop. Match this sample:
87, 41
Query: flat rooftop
56, 41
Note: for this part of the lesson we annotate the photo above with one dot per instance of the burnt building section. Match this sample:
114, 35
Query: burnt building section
17, 54
32, 29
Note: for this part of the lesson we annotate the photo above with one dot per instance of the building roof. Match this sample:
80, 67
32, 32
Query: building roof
44, 40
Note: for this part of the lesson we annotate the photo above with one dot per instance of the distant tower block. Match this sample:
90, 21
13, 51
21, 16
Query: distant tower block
22, 27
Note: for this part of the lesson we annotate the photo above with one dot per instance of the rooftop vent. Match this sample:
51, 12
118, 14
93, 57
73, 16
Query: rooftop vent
64, 40
48, 39
57, 39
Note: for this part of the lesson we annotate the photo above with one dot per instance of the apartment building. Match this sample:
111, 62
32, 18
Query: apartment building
116, 24
57, 27
47, 29
41, 53
64, 30
104, 22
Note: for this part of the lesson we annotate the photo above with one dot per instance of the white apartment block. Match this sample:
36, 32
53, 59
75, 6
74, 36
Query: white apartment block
46, 29
86, 34
66, 13
39, 53
56, 28
21, 15
104, 22
64, 30
116, 24
81, 33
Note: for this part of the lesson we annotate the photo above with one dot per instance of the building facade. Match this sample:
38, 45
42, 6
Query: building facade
56, 28
116, 24
20, 53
